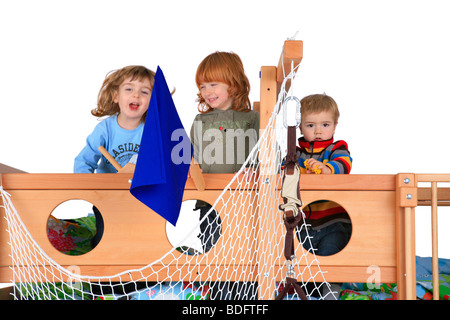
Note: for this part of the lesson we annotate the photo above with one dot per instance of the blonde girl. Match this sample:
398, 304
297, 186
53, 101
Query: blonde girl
123, 99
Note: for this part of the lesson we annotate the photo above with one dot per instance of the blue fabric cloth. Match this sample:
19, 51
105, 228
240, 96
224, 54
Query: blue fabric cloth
164, 156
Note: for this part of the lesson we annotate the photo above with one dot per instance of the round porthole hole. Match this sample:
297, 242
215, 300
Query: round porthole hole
327, 229
190, 236
75, 227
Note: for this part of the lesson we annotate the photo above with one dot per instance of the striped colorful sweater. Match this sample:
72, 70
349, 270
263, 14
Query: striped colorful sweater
334, 155
322, 213
337, 157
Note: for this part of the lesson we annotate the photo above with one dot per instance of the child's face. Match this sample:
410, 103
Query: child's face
216, 95
318, 126
133, 98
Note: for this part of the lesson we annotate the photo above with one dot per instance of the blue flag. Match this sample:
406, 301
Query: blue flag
164, 155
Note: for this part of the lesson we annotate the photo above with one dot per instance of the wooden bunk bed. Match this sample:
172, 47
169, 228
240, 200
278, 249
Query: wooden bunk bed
381, 208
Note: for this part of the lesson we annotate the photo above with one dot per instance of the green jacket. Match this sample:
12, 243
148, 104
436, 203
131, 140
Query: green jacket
222, 140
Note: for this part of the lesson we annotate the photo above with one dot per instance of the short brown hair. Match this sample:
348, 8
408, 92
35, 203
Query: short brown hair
225, 67
317, 103
105, 100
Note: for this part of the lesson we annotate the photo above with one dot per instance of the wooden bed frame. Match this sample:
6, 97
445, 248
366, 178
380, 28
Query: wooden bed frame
381, 208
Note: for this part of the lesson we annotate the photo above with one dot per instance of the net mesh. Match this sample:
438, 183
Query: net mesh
243, 263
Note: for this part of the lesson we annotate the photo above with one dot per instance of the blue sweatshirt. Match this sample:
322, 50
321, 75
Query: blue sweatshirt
122, 144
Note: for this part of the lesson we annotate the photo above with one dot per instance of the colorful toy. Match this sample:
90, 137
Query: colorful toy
316, 170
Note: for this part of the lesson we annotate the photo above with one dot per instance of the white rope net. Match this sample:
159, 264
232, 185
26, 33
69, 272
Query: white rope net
241, 265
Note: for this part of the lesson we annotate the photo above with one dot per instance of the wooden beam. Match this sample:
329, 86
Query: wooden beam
424, 196
265, 273
405, 235
7, 169
212, 181
292, 55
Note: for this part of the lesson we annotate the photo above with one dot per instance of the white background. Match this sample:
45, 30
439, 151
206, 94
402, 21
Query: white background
386, 63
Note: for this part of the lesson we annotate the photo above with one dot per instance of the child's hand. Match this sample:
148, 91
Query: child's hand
317, 167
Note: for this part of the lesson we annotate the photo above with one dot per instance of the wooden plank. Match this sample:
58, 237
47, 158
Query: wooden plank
348, 182
424, 196
114, 181
373, 217
353, 273
292, 54
66, 181
268, 92
8, 169
425, 177
104, 181
242, 273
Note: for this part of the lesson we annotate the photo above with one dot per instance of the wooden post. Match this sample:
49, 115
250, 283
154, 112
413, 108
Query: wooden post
406, 258
434, 242
271, 77
292, 55
266, 282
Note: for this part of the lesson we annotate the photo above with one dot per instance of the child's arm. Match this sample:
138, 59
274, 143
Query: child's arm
87, 160
340, 159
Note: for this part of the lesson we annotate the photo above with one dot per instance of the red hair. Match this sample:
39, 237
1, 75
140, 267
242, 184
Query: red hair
224, 67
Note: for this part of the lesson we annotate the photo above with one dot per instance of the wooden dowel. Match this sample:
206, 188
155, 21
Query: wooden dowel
410, 280
110, 158
434, 242
197, 176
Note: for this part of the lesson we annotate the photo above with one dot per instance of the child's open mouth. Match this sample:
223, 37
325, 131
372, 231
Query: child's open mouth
134, 106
